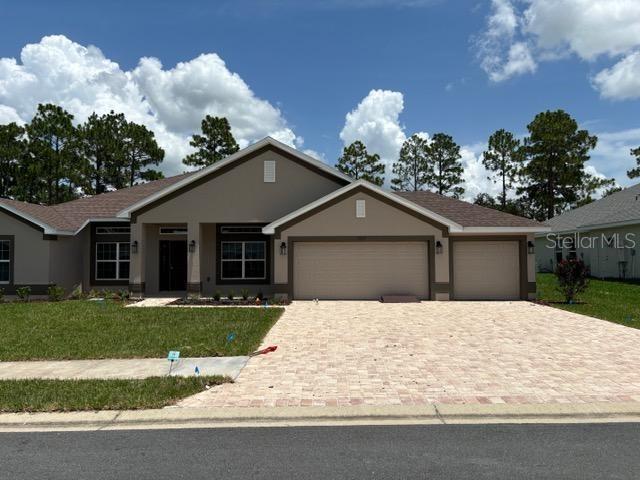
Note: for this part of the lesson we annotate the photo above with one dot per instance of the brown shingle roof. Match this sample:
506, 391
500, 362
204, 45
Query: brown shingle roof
70, 216
466, 214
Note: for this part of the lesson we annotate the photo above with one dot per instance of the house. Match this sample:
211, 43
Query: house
605, 234
269, 219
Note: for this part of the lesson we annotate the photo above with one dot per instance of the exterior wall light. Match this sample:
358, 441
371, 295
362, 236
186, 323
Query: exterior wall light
283, 248
192, 246
530, 247
438, 247
134, 246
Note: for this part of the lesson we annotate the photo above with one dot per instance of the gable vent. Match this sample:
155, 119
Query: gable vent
360, 209
269, 171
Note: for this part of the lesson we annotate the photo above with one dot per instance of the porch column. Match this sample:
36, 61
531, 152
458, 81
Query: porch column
194, 245
137, 254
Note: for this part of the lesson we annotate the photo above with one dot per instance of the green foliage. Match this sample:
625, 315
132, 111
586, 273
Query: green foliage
23, 293
635, 172
55, 293
411, 169
77, 293
360, 165
503, 157
513, 207
231, 294
123, 294
444, 169
50, 172
217, 295
554, 177
1, 295
13, 146
244, 293
573, 278
215, 143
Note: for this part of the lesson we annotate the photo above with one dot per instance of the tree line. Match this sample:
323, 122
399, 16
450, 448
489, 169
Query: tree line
539, 177
51, 160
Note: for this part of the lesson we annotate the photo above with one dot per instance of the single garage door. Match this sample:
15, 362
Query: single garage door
360, 270
488, 270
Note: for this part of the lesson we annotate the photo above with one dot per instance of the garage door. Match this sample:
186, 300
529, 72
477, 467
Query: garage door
486, 270
359, 270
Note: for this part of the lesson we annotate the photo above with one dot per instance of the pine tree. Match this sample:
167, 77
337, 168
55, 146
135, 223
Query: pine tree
444, 169
635, 172
215, 143
12, 149
361, 165
411, 168
504, 158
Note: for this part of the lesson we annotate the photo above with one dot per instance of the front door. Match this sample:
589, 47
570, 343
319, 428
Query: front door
173, 265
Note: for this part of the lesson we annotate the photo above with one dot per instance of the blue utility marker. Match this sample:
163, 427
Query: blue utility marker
173, 356
231, 337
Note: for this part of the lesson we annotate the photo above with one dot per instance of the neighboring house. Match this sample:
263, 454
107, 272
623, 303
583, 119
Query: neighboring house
270, 219
605, 234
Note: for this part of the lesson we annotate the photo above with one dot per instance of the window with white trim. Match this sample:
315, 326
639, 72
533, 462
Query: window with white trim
269, 171
5, 261
360, 209
112, 260
243, 260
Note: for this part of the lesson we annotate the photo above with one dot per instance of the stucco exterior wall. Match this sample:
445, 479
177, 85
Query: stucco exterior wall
31, 252
241, 195
381, 219
67, 262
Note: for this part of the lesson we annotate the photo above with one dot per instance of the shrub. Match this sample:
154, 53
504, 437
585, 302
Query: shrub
1, 295
92, 293
231, 294
55, 293
23, 293
77, 293
244, 293
573, 278
217, 296
124, 294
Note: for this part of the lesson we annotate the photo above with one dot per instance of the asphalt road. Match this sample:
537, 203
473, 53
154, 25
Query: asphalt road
597, 451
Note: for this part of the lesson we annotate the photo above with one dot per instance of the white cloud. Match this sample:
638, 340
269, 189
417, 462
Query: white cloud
375, 122
171, 102
612, 155
621, 81
520, 34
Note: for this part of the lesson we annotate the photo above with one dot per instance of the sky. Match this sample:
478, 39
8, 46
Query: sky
320, 74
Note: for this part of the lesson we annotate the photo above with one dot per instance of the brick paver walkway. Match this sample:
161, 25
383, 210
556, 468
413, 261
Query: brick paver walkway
354, 353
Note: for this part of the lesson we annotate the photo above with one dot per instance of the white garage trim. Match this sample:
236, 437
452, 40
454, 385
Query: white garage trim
429, 264
519, 263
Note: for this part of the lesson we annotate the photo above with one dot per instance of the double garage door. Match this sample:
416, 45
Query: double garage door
360, 270
486, 270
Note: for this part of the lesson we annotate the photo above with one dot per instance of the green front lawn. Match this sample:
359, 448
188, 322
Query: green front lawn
68, 395
84, 329
617, 302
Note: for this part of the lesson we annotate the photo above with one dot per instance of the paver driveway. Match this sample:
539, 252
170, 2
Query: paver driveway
353, 353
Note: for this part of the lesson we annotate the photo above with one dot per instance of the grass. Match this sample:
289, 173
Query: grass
617, 302
69, 395
92, 330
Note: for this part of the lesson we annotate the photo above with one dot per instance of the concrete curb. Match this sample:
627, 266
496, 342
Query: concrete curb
289, 416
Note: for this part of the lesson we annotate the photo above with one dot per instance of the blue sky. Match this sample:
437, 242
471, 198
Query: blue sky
438, 66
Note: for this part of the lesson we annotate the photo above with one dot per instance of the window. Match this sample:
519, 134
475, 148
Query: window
360, 209
173, 231
240, 229
112, 260
269, 171
243, 260
113, 230
5, 261
572, 249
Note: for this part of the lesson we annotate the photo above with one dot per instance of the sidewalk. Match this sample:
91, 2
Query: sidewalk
171, 417
121, 368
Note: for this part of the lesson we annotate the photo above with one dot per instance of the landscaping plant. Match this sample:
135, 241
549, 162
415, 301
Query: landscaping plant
230, 295
23, 293
244, 293
573, 278
55, 293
